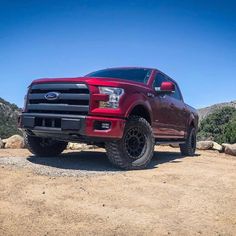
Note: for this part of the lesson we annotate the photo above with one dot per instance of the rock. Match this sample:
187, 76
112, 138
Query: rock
224, 145
164, 144
4, 141
80, 146
173, 145
217, 147
91, 146
76, 146
230, 149
205, 145
1, 144
14, 142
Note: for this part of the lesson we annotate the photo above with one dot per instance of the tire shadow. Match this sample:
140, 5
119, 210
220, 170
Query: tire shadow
97, 161
84, 160
161, 157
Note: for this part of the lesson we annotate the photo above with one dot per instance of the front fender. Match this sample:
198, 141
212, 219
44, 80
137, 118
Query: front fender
136, 100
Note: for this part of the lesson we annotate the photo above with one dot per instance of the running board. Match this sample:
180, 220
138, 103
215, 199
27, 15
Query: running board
170, 142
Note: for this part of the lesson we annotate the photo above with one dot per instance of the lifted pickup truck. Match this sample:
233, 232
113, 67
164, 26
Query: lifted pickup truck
125, 110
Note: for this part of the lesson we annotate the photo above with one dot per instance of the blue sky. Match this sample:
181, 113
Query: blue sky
192, 41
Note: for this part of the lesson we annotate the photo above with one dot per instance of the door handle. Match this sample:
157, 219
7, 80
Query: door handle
172, 106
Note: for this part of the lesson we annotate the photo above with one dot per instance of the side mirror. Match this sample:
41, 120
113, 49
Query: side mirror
166, 87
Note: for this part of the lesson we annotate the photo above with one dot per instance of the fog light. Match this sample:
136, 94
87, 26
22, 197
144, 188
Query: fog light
105, 125
102, 125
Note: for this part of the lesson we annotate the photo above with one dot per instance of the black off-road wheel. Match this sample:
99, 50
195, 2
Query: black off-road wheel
189, 147
136, 148
44, 147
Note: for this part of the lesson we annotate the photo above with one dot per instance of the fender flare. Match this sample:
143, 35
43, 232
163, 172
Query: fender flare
192, 120
145, 104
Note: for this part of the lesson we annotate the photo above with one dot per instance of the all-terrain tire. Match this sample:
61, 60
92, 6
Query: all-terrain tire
44, 147
136, 148
189, 147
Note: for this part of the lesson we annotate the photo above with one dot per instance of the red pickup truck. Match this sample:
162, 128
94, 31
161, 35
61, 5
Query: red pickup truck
125, 110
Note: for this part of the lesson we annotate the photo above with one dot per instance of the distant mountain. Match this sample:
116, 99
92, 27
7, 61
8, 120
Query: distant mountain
204, 112
8, 119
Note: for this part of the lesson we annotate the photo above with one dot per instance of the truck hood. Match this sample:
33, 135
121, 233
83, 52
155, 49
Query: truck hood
113, 82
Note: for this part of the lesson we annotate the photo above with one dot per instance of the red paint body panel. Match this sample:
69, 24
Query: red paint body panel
116, 130
170, 118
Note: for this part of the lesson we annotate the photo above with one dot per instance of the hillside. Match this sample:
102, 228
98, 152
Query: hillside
8, 119
204, 112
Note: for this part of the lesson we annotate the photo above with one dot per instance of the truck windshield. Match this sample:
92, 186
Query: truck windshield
133, 74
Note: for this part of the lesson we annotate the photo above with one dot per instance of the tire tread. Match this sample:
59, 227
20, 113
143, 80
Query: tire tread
33, 145
115, 155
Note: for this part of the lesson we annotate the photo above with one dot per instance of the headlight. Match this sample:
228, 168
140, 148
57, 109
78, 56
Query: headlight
114, 97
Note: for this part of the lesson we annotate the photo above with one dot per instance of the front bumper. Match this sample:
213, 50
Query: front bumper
71, 127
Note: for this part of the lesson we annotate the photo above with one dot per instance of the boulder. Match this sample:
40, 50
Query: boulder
225, 144
217, 146
205, 145
1, 144
14, 142
76, 146
80, 146
230, 149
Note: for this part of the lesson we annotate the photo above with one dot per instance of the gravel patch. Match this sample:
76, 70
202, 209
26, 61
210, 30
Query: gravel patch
68, 164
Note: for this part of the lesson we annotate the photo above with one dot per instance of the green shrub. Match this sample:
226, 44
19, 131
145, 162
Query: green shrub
8, 119
219, 126
230, 132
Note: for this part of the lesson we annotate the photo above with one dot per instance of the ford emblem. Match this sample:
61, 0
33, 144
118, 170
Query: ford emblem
52, 96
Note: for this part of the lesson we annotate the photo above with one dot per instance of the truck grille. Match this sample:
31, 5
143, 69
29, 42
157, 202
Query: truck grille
73, 99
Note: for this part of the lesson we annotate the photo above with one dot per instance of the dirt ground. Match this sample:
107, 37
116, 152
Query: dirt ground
175, 196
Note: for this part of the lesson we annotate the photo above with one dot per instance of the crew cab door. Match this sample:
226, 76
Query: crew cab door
162, 113
170, 114
178, 111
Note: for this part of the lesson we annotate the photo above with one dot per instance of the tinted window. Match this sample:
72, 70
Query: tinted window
161, 78
177, 93
158, 81
138, 75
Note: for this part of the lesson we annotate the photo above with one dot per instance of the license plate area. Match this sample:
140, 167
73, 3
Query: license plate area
65, 124
70, 124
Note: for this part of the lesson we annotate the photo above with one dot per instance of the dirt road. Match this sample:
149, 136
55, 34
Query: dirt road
81, 194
